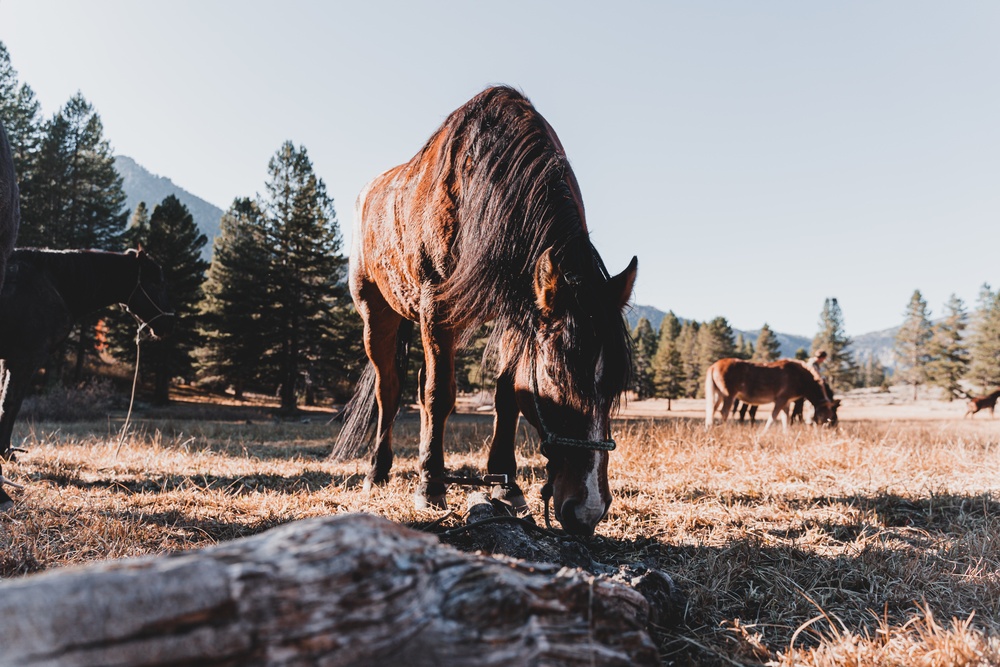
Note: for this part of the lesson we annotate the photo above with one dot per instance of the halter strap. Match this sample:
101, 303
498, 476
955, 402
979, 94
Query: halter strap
549, 438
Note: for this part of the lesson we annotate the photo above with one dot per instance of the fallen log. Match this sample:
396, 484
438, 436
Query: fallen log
343, 590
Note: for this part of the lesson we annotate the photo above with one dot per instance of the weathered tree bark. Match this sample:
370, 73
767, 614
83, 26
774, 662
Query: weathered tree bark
344, 590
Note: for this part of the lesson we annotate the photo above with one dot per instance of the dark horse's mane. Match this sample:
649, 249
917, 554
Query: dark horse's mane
516, 196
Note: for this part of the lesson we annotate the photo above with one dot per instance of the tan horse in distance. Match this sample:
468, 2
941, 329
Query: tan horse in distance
780, 382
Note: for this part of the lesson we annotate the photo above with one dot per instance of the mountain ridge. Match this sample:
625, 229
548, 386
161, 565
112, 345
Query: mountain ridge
141, 185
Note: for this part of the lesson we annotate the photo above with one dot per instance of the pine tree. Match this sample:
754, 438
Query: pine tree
645, 349
80, 203
235, 298
715, 341
20, 115
174, 241
687, 343
740, 347
668, 364
948, 350
840, 367
768, 347
912, 348
984, 341
306, 274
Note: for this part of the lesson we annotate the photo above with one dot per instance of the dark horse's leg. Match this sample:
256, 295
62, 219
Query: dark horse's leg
502, 461
437, 403
381, 329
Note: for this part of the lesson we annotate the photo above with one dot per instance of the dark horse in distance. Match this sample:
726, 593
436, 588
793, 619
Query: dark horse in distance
47, 291
780, 382
977, 403
485, 223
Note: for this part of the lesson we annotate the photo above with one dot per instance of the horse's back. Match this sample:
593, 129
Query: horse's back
759, 383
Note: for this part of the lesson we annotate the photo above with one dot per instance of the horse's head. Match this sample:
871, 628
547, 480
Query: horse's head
148, 300
826, 413
568, 380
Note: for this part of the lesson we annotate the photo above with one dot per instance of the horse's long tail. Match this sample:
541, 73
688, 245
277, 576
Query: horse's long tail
361, 413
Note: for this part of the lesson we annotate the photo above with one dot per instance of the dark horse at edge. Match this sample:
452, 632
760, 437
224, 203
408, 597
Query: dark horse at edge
485, 223
10, 220
47, 291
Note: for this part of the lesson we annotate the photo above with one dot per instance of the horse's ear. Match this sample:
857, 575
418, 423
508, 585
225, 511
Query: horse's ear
139, 250
547, 276
620, 286
835, 404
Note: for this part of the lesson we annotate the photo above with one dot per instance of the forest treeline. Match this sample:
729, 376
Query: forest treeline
958, 352
271, 312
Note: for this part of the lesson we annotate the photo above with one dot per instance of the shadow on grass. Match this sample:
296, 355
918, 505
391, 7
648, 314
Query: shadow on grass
306, 482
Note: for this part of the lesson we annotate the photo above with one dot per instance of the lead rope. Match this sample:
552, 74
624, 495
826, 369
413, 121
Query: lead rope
131, 400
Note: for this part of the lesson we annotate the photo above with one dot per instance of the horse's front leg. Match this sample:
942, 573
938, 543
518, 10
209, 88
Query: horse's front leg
502, 460
437, 403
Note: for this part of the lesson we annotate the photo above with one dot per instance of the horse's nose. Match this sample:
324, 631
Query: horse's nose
571, 521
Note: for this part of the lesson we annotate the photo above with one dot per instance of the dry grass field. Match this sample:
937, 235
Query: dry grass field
875, 543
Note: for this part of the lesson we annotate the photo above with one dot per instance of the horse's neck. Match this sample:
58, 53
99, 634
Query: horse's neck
89, 281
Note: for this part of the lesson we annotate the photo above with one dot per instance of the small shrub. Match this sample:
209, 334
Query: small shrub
67, 404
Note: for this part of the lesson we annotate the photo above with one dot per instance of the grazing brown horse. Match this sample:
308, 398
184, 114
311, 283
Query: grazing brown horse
988, 402
47, 291
486, 222
779, 382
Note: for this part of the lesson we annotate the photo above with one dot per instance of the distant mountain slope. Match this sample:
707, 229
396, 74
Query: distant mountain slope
143, 186
878, 343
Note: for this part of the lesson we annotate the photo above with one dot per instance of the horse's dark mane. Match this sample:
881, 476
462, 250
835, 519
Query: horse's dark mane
516, 196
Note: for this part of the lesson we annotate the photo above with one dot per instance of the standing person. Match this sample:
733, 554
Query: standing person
815, 363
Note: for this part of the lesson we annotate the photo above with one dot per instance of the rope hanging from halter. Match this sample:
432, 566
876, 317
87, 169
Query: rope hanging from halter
138, 338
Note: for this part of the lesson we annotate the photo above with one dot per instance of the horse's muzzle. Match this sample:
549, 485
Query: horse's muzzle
571, 523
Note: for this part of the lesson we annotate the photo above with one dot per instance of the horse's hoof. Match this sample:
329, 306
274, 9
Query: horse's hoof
6, 506
518, 505
428, 502
372, 483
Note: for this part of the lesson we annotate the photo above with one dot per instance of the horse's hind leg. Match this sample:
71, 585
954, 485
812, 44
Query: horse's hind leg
438, 402
381, 332
502, 461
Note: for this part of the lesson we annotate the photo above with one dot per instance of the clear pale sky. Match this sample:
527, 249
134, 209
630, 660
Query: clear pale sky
757, 156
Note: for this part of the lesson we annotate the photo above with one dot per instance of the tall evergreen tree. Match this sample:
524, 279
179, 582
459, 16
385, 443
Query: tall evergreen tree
80, 202
645, 349
20, 115
840, 367
912, 346
236, 296
948, 350
306, 274
715, 341
768, 347
668, 364
174, 241
687, 343
984, 341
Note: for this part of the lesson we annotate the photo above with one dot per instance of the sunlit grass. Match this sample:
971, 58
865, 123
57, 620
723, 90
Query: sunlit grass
871, 544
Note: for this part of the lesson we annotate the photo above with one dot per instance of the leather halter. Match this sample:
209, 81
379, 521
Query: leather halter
549, 438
